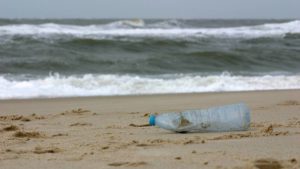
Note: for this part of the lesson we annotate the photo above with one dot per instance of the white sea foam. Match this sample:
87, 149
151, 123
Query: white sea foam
104, 85
114, 30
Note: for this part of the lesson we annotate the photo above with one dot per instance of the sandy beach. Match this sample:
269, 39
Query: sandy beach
108, 132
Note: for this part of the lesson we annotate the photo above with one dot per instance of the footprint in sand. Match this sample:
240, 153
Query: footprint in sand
129, 164
267, 164
11, 128
78, 111
289, 103
80, 124
45, 150
21, 118
23, 134
60, 135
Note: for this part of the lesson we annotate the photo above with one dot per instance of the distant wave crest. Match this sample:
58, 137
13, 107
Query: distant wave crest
137, 28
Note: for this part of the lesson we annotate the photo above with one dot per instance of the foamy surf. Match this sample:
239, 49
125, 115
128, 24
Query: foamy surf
109, 85
139, 29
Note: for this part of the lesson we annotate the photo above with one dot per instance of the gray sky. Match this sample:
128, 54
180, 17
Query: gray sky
150, 9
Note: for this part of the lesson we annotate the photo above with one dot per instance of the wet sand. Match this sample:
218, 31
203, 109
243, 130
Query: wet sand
109, 132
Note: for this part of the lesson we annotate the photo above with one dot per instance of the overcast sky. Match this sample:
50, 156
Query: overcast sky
150, 9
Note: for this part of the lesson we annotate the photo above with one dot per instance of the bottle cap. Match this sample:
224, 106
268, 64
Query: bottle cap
152, 120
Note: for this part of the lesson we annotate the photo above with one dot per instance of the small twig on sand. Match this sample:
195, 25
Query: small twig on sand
137, 125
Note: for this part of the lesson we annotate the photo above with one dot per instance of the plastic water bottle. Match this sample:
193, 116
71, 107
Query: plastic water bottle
235, 117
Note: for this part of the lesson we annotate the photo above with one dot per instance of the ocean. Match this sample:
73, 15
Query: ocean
48, 58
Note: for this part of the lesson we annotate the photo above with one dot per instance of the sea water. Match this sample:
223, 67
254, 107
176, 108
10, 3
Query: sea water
73, 57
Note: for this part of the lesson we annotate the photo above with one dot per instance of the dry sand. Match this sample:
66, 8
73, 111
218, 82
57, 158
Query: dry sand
108, 132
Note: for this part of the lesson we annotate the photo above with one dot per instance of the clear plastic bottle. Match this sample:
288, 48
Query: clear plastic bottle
235, 117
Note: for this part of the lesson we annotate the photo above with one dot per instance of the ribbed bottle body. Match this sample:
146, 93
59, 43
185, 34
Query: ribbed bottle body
235, 117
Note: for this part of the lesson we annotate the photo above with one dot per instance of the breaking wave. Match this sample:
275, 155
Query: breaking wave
108, 84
